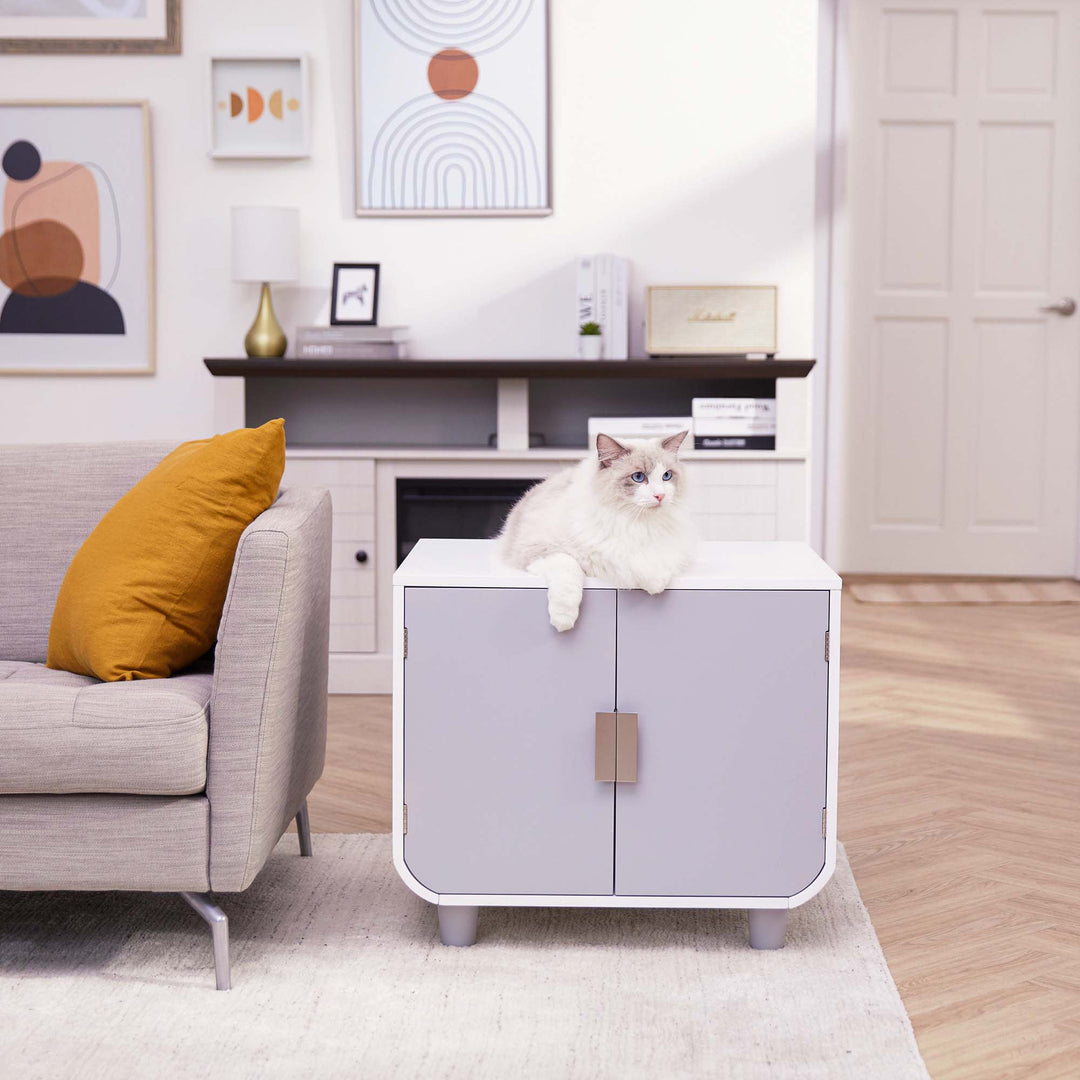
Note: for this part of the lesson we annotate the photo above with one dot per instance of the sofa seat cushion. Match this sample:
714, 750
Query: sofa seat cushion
62, 733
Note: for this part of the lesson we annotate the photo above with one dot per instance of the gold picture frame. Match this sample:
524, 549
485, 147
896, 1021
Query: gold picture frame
168, 44
138, 273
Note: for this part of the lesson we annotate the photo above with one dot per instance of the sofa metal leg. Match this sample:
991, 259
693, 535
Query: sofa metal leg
219, 929
303, 829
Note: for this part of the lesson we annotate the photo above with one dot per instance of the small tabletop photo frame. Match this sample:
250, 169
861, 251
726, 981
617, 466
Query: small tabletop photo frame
259, 106
354, 299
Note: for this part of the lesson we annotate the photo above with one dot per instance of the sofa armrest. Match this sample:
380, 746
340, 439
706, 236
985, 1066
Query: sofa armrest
268, 705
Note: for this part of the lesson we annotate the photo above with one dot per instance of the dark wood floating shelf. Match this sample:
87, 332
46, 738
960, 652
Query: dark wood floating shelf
676, 367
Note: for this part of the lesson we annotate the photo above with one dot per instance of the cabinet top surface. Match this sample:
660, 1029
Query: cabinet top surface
718, 564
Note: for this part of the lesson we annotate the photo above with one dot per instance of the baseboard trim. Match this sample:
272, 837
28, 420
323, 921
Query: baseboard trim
360, 673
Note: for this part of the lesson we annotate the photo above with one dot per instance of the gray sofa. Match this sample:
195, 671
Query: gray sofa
167, 785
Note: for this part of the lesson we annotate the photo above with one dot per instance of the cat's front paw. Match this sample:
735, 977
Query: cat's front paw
562, 617
654, 586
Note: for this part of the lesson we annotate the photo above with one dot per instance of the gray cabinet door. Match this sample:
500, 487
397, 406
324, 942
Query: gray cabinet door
731, 692
499, 718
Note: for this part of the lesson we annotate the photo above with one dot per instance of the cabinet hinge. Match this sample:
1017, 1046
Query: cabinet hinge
826, 646
405, 644
824, 822
404, 819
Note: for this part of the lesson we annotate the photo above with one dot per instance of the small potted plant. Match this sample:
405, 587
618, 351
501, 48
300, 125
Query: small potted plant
590, 342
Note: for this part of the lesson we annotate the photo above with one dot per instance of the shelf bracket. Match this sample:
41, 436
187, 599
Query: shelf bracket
512, 414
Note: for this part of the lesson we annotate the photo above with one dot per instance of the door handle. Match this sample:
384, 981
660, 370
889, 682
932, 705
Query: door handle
1064, 307
605, 746
616, 747
626, 747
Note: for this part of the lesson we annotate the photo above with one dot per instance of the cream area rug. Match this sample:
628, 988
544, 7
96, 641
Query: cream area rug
338, 972
966, 592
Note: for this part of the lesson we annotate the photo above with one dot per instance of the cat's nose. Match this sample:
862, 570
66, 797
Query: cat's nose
659, 498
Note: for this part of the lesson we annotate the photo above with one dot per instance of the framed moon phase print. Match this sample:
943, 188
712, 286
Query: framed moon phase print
259, 106
452, 108
90, 26
76, 250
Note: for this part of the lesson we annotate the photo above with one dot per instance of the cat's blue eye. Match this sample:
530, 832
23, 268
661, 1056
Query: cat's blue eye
667, 475
638, 477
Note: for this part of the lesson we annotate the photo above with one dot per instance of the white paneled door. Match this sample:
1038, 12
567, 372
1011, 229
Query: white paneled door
962, 450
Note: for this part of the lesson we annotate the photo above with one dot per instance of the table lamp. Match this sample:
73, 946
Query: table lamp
265, 248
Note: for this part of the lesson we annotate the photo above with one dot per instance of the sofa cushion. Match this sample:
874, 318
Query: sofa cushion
142, 598
62, 733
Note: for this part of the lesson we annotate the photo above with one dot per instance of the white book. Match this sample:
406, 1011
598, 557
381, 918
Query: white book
636, 427
618, 346
586, 297
354, 350
737, 426
727, 408
346, 333
602, 269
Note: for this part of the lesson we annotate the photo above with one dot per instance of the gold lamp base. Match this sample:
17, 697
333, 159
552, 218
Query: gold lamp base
265, 338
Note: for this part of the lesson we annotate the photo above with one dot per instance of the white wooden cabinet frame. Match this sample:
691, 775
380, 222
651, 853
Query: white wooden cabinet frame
748, 571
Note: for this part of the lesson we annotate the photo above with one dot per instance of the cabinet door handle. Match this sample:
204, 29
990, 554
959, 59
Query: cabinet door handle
616, 747
626, 747
605, 746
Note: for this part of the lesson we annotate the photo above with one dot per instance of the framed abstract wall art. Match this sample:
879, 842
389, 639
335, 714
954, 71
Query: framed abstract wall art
76, 249
259, 106
90, 26
452, 108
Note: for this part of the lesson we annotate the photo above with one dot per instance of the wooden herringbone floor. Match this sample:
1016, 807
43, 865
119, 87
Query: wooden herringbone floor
959, 807
960, 810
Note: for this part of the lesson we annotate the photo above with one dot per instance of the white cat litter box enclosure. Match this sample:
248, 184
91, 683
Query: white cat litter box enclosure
677, 750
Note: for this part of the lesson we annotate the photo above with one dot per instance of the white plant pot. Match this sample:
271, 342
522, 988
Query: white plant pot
590, 346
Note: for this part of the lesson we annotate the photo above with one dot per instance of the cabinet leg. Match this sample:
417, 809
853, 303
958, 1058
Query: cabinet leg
767, 927
457, 925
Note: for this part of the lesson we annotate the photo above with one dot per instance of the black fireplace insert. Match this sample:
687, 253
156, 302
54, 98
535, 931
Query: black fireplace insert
453, 509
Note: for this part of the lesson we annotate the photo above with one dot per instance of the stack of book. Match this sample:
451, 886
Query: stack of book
738, 423
603, 285
352, 342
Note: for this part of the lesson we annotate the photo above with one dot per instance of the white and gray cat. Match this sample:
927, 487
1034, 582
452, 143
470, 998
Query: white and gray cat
619, 516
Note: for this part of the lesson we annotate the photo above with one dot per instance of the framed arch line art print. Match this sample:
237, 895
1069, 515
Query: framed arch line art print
76, 247
452, 108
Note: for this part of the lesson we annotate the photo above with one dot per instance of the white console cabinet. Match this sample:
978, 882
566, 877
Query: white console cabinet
357, 427
353, 565
733, 497
670, 751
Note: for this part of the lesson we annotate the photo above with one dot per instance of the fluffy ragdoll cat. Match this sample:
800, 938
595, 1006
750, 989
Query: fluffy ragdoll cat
619, 516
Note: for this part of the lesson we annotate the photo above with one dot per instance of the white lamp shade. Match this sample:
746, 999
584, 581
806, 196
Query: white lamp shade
265, 243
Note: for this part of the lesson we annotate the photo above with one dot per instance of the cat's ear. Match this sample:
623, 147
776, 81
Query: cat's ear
673, 442
609, 451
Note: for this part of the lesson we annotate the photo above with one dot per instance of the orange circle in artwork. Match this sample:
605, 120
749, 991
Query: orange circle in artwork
44, 258
453, 73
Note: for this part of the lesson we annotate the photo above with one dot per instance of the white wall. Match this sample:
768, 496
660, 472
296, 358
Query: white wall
683, 139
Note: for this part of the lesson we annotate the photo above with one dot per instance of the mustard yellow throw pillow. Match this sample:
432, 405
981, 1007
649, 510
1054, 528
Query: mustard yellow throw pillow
143, 596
